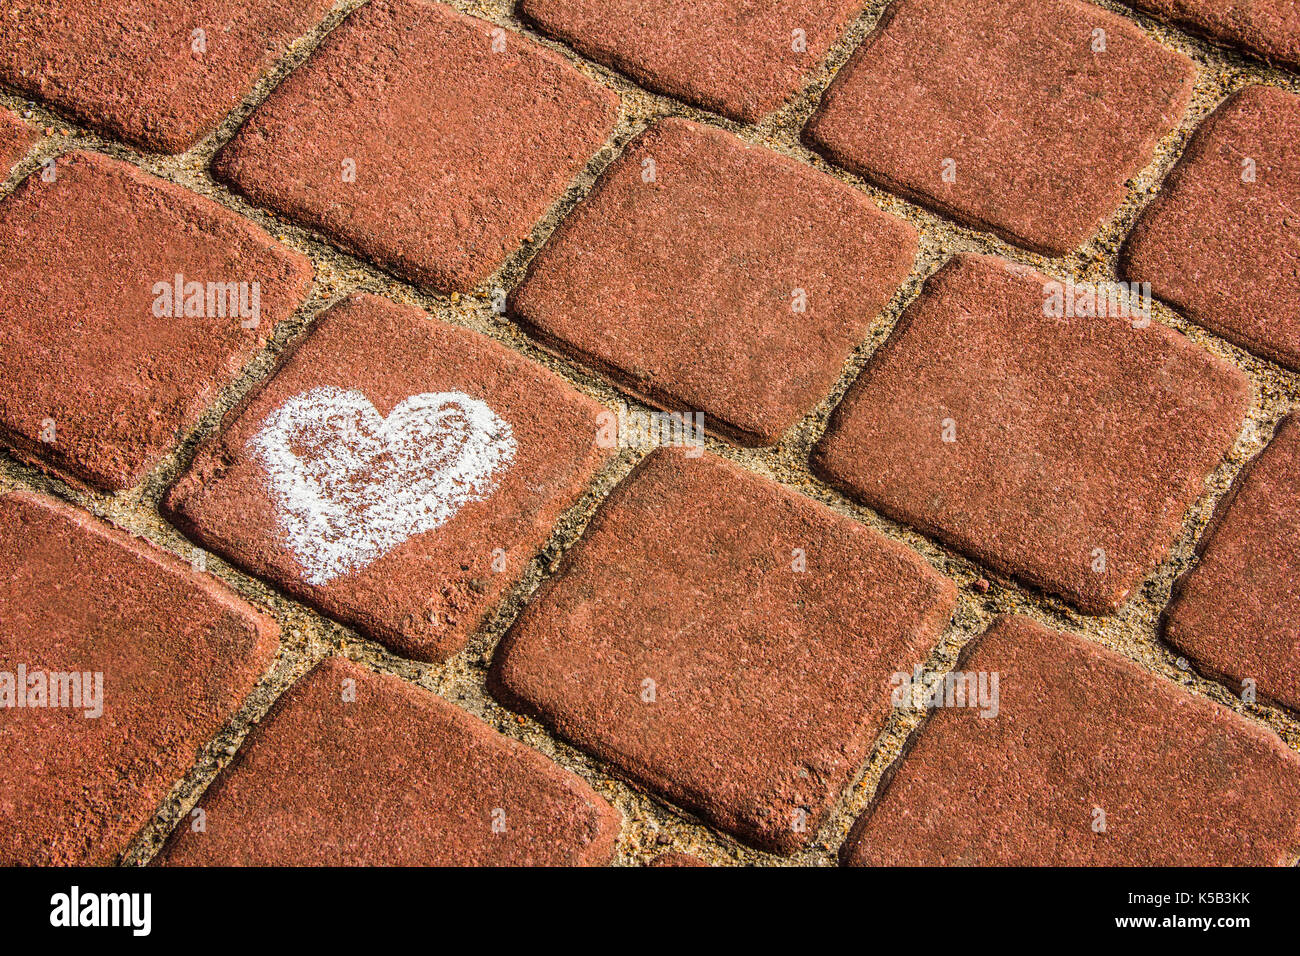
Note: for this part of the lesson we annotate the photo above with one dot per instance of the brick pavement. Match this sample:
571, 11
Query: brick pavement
434, 785
1025, 119
158, 73
265, 492
1061, 450
1089, 761
16, 138
1219, 242
349, 145
738, 57
149, 660
1235, 613
432, 453
123, 328
759, 329
754, 716
1266, 28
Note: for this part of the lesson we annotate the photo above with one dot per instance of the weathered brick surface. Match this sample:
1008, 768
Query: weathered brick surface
361, 769
92, 381
372, 488
741, 58
1221, 242
1267, 28
16, 138
711, 637
735, 283
1042, 131
682, 643
1237, 612
1070, 436
1180, 780
177, 653
137, 69
407, 137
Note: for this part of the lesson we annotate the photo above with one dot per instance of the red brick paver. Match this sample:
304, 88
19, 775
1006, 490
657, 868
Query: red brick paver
741, 58
734, 283
1061, 450
1089, 761
16, 138
1268, 28
1237, 612
159, 73
396, 473
361, 769
725, 642
1001, 114
429, 141
176, 653
1221, 242
97, 377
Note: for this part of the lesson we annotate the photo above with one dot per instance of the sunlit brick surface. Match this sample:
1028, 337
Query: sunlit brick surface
15, 139
100, 366
1019, 118
731, 282
753, 714
171, 655
1089, 761
1238, 612
434, 786
427, 140
742, 58
652, 410
426, 592
1061, 450
1269, 29
1221, 243
158, 73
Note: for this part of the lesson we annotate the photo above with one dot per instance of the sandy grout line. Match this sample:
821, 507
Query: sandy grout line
309, 636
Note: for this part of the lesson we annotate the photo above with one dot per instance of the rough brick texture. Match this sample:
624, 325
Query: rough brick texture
420, 587
1180, 780
735, 283
725, 642
1267, 28
410, 139
1064, 451
94, 381
1221, 242
1002, 114
16, 138
741, 58
712, 640
361, 769
177, 653
137, 68
1237, 612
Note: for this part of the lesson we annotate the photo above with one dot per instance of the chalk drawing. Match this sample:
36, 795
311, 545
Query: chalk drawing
349, 486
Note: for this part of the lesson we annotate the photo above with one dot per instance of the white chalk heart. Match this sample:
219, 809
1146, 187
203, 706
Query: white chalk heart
349, 486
